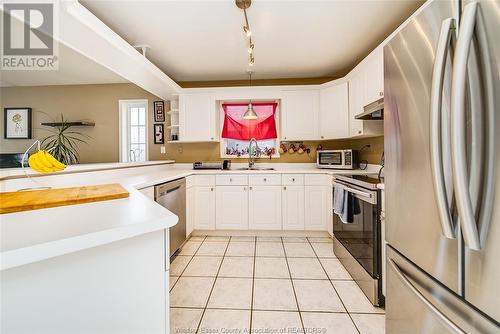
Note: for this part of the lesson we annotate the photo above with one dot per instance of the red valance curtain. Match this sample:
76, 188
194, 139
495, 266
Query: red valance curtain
235, 127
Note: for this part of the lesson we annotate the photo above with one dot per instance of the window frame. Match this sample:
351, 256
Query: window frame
124, 128
222, 141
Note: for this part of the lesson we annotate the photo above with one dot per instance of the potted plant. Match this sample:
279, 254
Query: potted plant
64, 141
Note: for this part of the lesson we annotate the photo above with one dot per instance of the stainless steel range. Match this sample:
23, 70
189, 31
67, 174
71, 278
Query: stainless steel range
357, 242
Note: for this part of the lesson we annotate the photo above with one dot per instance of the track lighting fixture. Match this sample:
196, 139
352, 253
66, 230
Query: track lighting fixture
244, 5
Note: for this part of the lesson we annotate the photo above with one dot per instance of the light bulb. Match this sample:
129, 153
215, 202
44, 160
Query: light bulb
250, 49
247, 31
251, 62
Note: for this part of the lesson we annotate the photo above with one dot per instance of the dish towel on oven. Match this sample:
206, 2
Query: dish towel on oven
344, 204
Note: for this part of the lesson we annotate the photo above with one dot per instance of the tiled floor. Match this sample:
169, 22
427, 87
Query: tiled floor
266, 285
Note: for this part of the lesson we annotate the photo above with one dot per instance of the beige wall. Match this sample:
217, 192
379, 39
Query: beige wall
98, 103
211, 151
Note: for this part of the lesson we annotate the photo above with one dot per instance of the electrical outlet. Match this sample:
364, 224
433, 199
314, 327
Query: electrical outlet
163, 150
179, 149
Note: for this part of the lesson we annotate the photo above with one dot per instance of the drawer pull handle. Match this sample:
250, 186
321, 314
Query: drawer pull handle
265, 179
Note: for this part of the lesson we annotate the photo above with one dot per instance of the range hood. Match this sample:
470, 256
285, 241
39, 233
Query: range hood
372, 111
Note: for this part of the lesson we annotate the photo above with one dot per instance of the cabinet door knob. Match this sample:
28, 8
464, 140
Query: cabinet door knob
322, 137
265, 179
293, 179
211, 138
250, 188
359, 131
230, 180
244, 188
284, 137
211, 189
381, 93
284, 188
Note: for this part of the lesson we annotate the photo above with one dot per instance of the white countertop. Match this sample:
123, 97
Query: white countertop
31, 236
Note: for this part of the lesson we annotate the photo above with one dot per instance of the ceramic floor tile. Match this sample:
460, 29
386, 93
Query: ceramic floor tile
274, 294
273, 249
243, 238
276, 322
217, 238
306, 268
203, 266
184, 320
354, 299
178, 264
271, 267
268, 239
298, 249
191, 292
214, 248
317, 295
225, 321
335, 269
173, 279
240, 248
231, 293
323, 249
190, 248
369, 323
237, 267
320, 239
328, 323
294, 239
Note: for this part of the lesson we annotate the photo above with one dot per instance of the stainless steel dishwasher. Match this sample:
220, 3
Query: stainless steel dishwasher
172, 195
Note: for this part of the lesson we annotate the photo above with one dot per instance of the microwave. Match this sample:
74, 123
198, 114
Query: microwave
337, 159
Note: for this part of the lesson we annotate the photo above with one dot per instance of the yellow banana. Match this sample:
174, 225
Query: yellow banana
40, 158
56, 163
33, 162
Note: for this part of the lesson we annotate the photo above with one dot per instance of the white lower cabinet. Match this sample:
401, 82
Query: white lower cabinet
317, 204
231, 208
264, 207
292, 205
204, 208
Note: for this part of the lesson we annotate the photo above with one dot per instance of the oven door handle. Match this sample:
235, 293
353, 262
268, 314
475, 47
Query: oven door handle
357, 192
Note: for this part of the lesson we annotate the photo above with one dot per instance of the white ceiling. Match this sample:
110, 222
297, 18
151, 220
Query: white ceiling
74, 69
204, 40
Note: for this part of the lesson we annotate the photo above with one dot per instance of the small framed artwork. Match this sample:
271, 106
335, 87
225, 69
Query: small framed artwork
159, 135
17, 123
159, 111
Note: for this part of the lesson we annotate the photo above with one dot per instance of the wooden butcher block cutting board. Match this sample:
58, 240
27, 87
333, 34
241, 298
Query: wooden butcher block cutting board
39, 199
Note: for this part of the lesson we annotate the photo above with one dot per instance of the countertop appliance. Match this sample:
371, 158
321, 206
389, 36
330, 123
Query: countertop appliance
442, 169
337, 159
358, 245
225, 164
172, 195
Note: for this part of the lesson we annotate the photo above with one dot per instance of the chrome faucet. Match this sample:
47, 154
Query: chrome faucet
251, 154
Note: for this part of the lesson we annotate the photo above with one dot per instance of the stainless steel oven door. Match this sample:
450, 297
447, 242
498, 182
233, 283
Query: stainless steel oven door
361, 238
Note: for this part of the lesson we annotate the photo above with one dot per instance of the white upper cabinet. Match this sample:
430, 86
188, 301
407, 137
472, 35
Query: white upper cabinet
366, 85
334, 112
374, 84
300, 115
197, 118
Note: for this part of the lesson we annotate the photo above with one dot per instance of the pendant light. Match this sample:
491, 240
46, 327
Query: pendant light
250, 113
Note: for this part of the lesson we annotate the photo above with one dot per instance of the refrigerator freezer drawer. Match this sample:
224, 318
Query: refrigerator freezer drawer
416, 303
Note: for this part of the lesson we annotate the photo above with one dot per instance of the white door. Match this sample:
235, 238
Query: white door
334, 112
190, 198
197, 117
293, 207
231, 208
317, 207
264, 208
204, 208
299, 113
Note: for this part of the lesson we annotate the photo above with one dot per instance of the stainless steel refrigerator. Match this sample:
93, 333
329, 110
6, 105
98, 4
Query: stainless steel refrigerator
442, 170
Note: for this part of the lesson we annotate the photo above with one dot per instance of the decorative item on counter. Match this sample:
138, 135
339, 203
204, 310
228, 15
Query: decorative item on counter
283, 149
42, 161
269, 151
292, 149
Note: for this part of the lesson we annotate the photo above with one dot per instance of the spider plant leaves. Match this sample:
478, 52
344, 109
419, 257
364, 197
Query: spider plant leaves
63, 143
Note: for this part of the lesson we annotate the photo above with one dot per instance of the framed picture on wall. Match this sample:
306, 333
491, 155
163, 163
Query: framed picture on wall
17, 123
159, 111
159, 135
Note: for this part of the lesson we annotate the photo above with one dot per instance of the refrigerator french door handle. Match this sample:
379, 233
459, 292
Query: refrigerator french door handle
458, 135
446, 321
443, 45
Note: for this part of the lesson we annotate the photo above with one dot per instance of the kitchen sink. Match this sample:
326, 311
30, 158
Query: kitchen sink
255, 168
